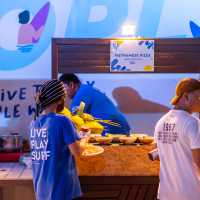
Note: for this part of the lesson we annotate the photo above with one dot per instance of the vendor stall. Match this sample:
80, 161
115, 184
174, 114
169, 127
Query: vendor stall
121, 172
124, 167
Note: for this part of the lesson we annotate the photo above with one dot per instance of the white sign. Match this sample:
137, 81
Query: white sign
131, 55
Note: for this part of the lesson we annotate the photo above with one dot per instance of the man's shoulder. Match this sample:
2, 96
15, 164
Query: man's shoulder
164, 117
192, 121
86, 86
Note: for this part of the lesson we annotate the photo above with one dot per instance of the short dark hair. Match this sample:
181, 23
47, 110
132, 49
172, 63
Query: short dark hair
24, 17
67, 78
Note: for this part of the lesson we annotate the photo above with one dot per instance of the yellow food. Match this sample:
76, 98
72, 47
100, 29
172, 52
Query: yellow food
81, 108
115, 137
94, 126
78, 121
66, 112
146, 139
92, 150
87, 117
84, 119
127, 139
104, 140
93, 137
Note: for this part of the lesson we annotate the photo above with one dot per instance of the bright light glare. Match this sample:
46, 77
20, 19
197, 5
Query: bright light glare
128, 30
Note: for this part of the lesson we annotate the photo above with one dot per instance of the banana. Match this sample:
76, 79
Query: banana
78, 121
87, 117
84, 119
94, 126
81, 108
66, 112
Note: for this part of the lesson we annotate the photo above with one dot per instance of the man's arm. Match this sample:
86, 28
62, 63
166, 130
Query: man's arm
196, 159
153, 155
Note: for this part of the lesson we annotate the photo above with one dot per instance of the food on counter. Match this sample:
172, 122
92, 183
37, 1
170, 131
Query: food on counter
87, 117
95, 127
119, 138
92, 150
83, 119
128, 139
139, 134
93, 137
115, 137
104, 139
80, 108
78, 121
146, 139
66, 112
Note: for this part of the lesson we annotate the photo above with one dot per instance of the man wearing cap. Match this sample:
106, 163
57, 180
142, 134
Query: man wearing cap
54, 143
177, 135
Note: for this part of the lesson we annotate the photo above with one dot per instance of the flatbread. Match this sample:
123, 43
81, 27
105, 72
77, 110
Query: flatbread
92, 150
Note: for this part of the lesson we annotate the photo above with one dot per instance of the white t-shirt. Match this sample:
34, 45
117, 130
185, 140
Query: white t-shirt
176, 133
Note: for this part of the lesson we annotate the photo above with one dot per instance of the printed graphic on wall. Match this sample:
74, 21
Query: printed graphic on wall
30, 33
26, 27
17, 107
26, 31
131, 55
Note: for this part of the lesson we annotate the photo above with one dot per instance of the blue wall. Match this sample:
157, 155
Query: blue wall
86, 19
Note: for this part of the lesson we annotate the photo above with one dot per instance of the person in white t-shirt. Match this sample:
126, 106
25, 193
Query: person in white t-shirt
177, 135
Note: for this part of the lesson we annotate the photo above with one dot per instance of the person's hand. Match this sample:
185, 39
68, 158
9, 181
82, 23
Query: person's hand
85, 133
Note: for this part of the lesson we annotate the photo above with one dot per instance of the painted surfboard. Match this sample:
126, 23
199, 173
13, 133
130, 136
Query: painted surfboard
40, 18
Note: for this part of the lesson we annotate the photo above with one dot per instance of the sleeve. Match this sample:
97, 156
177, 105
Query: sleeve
83, 94
193, 132
156, 131
69, 132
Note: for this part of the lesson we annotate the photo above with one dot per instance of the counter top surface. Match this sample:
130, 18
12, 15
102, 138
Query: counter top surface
13, 171
123, 160
130, 160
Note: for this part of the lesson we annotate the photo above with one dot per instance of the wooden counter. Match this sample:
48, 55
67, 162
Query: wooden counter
123, 160
121, 172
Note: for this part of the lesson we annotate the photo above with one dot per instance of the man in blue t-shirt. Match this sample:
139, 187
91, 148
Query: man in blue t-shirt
54, 143
96, 103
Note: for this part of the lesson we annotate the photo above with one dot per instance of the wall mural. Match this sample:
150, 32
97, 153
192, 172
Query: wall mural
26, 31
26, 28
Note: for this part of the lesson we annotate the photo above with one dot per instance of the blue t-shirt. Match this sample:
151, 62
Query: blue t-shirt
54, 171
100, 106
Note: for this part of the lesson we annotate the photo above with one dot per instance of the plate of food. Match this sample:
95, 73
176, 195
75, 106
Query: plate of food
128, 139
116, 137
92, 150
92, 138
146, 139
103, 140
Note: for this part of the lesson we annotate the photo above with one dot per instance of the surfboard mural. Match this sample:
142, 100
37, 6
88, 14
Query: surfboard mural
30, 33
40, 18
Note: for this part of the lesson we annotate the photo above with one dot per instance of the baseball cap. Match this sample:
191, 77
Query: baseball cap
185, 85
